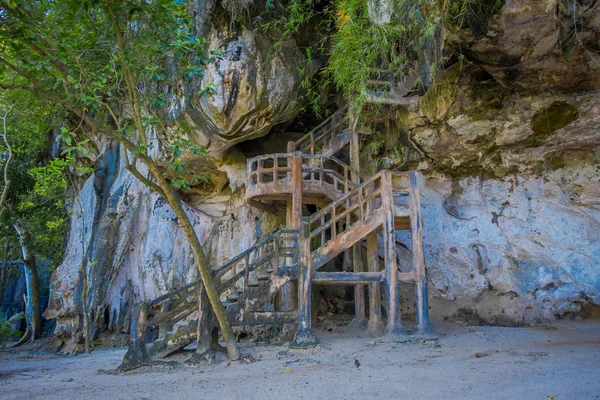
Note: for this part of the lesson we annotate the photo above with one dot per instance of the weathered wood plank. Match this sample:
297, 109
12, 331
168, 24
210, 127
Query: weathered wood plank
205, 323
421, 304
375, 325
359, 289
305, 337
346, 278
345, 240
394, 324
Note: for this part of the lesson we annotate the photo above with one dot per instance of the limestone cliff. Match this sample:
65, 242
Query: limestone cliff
506, 140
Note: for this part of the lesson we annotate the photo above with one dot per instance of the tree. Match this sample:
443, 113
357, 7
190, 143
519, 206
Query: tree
109, 66
3, 204
24, 215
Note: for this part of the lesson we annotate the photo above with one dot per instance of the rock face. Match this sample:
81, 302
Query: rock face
535, 44
509, 151
12, 301
254, 87
128, 239
521, 250
507, 144
135, 250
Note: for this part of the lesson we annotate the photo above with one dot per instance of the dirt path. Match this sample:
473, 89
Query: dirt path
561, 361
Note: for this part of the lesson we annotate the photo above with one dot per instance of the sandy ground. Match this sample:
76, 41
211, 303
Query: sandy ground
559, 362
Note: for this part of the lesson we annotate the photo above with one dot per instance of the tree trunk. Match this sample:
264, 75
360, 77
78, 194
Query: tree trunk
4, 270
204, 269
85, 305
32, 309
163, 187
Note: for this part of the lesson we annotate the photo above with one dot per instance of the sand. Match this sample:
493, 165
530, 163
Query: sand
560, 361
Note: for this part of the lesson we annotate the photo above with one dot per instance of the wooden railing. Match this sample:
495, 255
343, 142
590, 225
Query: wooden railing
386, 86
270, 168
274, 173
162, 313
353, 208
317, 169
323, 134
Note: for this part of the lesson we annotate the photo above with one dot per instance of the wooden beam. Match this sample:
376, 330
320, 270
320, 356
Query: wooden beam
346, 278
205, 323
375, 325
346, 239
305, 337
296, 211
394, 324
359, 289
286, 301
424, 327
165, 326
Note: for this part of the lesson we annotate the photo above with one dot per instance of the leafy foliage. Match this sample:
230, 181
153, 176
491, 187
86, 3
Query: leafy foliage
6, 329
358, 50
83, 54
42, 217
361, 50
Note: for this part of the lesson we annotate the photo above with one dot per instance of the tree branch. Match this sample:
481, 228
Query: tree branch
145, 180
129, 77
7, 165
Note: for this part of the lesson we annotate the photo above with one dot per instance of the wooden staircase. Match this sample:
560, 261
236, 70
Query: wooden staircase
246, 284
262, 284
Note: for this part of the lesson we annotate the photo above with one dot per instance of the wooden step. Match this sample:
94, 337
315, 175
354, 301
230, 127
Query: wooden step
262, 277
180, 336
233, 298
268, 317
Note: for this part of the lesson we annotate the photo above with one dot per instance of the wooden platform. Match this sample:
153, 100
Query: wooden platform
321, 178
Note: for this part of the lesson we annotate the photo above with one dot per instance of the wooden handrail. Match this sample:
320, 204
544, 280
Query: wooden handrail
344, 197
184, 299
354, 202
326, 130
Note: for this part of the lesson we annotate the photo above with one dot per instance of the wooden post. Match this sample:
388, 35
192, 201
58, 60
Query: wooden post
296, 211
137, 354
359, 290
286, 301
423, 328
246, 282
394, 324
375, 325
205, 326
305, 337
165, 326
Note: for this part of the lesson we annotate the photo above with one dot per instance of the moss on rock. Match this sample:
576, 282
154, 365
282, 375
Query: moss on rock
439, 98
549, 120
